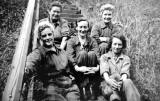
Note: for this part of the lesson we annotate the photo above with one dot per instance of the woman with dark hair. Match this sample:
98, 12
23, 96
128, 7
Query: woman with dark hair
114, 68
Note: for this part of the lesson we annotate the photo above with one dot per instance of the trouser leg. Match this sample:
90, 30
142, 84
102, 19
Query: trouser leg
92, 59
130, 91
82, 58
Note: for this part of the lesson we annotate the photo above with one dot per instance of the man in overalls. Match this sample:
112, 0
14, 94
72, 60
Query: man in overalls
50, 66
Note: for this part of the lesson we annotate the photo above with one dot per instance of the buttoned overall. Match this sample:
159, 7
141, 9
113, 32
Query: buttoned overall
52, 71
115, 68
86, 55
101, 29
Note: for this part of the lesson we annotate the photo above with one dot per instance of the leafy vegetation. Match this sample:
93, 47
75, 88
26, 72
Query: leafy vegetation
11, 17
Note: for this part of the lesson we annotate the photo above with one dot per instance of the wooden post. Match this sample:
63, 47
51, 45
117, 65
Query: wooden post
13, 87
35, 34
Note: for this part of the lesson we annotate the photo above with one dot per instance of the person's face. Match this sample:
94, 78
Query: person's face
107, 16
55, 13
82, 28
116, 45
47, 37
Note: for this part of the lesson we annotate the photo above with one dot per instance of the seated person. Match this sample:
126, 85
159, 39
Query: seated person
103, 30
83, 51
50, 65
61, 26
115, 67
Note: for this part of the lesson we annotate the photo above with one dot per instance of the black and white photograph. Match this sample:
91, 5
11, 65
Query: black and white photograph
79, 50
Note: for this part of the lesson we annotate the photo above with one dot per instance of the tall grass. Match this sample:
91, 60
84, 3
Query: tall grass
141, 26
11, 17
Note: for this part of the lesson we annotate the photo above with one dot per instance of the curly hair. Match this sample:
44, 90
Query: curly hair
55, 4
43, 25
119, 36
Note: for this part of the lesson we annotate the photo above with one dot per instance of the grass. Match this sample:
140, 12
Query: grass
11, 17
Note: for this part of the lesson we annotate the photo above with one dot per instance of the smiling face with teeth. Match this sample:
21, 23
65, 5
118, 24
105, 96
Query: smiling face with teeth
107, 16
47, 37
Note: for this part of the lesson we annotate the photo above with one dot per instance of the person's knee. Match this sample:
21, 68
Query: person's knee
127, 82
82, 53
92, 55
104, 46
73, 96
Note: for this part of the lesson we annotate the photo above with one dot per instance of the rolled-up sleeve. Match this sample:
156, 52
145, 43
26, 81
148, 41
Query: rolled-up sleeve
104, 66
95, 32
126, 66
70, 51
32, 61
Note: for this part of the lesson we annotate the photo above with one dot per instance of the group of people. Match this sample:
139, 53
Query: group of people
93, 63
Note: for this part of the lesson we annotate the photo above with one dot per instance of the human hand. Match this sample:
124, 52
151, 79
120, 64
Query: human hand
95, 69
114, 84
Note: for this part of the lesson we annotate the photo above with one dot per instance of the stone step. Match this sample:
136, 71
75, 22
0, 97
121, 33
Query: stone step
71, 15
71, 11
70, 7
71, 19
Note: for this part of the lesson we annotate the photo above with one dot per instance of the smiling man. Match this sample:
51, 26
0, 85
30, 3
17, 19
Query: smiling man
61, 28
102, 31
83, 51
50, 66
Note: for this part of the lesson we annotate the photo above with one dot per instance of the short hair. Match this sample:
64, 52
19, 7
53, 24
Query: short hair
43, 25
109, 7
120, 36
55, 4
82, 19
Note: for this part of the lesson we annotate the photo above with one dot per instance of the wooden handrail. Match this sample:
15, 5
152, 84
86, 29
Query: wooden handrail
35, 34
13, 87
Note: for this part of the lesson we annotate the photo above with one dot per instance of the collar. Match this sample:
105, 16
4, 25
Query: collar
109, 25
85, 44
58, 23
55, 50
110, 55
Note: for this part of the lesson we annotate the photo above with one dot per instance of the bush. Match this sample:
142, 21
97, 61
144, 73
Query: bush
11, 17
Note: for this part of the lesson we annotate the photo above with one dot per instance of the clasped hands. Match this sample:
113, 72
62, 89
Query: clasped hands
116, 85
87, 70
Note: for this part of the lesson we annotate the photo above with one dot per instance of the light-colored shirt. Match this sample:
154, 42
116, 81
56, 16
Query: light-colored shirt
109, 64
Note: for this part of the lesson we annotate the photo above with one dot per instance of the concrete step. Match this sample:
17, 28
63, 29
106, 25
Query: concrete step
70, 7
71, 11
71, 15
71, 19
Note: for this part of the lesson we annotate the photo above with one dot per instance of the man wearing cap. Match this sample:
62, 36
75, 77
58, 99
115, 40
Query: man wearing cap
102, 31
61, 25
